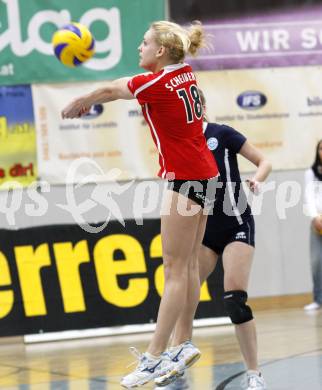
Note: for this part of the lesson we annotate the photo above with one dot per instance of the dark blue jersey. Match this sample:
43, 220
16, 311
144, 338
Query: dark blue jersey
232, 208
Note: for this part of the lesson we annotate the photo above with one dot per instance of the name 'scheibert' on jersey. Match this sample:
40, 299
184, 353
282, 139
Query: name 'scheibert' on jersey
180, 79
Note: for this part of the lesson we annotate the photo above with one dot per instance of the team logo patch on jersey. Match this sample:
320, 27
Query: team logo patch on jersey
240, 236
212, 143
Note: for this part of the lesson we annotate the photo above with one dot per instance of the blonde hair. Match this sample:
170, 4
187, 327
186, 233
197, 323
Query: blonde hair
177, 40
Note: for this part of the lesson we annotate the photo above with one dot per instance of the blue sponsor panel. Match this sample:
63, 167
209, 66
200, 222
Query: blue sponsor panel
12, 97
251, 100
18, 162
95, 111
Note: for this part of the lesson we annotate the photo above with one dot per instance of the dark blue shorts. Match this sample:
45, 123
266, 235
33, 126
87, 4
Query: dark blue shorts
218, 240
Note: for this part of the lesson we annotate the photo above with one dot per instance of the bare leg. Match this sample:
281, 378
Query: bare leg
179, 236
183, 329
237, 261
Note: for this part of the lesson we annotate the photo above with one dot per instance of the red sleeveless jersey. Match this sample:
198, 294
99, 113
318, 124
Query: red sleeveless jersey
171, 106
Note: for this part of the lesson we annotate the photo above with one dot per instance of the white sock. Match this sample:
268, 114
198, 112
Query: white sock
150, 356
250, 372
171, 349
177, 346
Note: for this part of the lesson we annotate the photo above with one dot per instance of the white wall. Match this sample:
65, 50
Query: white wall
281, 264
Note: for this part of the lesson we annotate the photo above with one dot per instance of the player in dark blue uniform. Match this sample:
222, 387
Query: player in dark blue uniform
230, 232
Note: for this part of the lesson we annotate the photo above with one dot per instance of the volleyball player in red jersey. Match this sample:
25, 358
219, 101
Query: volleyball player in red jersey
171, 106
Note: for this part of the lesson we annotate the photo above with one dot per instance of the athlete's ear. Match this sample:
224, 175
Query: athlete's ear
161, 51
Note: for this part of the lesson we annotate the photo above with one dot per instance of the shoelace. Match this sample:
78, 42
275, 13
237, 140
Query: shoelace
137, 354
253, 381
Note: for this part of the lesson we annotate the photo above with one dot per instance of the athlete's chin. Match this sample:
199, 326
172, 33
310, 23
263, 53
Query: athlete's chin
146, 66
142, 63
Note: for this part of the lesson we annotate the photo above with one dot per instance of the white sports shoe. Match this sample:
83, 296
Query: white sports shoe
181, 383
255, 381
183, 356
312, 306
147, 369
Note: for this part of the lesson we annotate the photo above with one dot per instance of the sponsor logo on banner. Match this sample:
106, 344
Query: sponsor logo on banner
251, 100
109, 135
289, 120
95, 111
135, 113
56, 278
18, 162
260, 39
110, 48
26, 29
314, 101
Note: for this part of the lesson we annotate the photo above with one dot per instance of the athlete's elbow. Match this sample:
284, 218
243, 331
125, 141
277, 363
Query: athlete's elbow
264, 165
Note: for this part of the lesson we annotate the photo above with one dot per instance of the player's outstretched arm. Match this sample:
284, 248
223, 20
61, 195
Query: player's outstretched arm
264, 167
114, 90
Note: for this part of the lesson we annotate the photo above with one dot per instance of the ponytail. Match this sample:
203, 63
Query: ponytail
177, 40
197, 38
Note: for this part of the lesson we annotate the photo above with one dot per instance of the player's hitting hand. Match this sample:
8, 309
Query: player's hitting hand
75, 109
253, 185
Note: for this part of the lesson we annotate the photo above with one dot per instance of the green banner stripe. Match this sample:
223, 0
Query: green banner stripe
26, 29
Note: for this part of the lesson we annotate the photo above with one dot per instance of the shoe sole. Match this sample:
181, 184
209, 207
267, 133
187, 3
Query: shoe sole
137, 385
192, 360
168, 378
133, 386
141, 383
174, 374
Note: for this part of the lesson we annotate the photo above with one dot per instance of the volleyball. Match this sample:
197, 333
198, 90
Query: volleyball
73, 44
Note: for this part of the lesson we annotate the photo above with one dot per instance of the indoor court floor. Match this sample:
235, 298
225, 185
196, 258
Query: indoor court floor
290, 345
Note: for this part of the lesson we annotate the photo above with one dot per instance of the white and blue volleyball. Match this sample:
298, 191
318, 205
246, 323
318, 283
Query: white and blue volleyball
73, 44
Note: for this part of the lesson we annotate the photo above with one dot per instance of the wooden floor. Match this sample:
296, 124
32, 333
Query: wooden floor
290, 345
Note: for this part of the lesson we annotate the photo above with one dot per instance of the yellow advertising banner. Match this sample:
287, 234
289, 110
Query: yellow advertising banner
18, 166
62, 277
279, 110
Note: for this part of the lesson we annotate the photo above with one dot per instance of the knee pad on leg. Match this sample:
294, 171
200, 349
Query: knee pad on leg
236, 308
